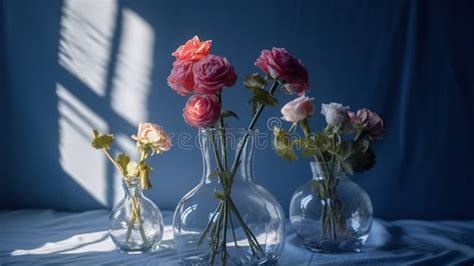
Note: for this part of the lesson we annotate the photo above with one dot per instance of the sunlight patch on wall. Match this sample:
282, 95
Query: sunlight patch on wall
87, 29
127, 145
132, 79
78, 159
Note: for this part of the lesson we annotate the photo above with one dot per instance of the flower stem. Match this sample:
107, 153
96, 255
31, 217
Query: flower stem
222, 134
130, 223
331, 214
106, 152
224, 235
139, 220
226, 206
210, 223
251, 127
136, 216
216, 156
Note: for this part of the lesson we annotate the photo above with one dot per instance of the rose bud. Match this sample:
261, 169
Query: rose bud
335, 114
181, 78
352, 117
279, 64
202, 111
372, 121
192, 50
212, 73
154, 136
298, 109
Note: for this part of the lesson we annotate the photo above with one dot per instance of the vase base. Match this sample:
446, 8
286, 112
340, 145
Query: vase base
134, 251
328, 246
318, 249
239, 259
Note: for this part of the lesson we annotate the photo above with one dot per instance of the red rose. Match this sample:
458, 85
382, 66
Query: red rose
212, 73
279, 64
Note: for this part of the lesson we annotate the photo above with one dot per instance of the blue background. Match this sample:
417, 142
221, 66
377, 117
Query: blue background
411, 61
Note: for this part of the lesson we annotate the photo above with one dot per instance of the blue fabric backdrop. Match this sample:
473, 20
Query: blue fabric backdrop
411, 61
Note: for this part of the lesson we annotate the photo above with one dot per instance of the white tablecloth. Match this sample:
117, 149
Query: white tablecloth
49, 237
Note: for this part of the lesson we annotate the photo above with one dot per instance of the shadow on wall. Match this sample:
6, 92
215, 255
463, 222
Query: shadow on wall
108, 50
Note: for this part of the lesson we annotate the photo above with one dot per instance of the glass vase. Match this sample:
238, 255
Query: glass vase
135, 222
228, 219
330, 212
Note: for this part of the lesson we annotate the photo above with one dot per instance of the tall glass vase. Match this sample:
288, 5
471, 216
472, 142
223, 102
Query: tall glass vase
330, 212
135, 222
228, 219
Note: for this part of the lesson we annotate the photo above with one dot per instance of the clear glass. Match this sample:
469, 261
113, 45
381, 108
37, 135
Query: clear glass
135, 223
259, 210
330, 212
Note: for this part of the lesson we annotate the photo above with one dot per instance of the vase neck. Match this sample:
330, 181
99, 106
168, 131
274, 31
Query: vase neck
226, 147
132, 187
322, 171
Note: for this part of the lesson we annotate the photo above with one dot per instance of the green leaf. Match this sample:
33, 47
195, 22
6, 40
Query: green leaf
346, 149
314, 185
256, 84
364, 144
213, 175
261, 97
314, 143
310, 146
323, 193
283, 145
309, 152
254, 81
147, 148
355, 156
123, 160
144, 174
264, 97
101, 141
362, 161
346, 167
219, 195
284, 89
229, 113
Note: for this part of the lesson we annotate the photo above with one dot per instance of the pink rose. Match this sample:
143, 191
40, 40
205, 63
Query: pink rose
279, 64
298, 109
192, 50
181, 78
202, 110
212, 73
352, 117
372, 121
153, 135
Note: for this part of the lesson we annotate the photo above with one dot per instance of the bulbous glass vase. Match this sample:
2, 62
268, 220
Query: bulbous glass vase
215, 225
330, 212
135, 222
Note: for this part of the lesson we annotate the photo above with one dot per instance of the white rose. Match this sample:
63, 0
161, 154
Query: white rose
335, 114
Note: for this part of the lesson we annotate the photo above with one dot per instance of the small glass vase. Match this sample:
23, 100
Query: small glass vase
330, 212
135, 222
259, 217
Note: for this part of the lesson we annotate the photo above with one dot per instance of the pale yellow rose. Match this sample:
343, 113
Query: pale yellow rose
153, 135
